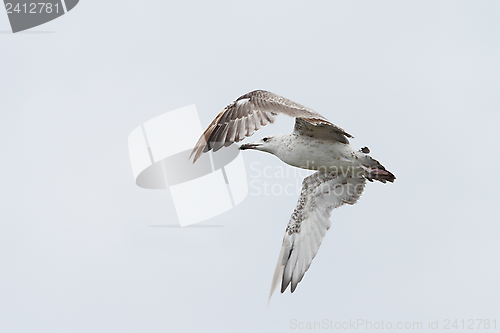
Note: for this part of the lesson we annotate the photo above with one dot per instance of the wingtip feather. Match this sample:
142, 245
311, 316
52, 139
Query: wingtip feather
277, 272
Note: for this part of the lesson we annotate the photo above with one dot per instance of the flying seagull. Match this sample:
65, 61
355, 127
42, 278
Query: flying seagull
314, 144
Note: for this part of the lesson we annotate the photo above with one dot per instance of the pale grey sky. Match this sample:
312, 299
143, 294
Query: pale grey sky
417, 82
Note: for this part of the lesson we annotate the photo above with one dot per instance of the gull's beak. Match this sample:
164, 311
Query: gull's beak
250, 146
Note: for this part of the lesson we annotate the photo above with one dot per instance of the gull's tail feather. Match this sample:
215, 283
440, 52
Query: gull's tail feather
373, 169
382, 175
378, 173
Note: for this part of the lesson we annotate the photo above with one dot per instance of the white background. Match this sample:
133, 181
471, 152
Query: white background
416, 81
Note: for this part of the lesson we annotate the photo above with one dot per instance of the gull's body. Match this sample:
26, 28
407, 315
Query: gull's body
314, 144
314, 154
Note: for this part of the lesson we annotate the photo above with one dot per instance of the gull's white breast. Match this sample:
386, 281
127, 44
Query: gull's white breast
316, 154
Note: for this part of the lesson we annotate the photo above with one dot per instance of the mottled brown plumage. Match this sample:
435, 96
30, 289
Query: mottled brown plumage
249, 113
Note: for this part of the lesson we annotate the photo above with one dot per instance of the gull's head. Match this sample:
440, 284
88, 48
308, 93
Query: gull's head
269, 144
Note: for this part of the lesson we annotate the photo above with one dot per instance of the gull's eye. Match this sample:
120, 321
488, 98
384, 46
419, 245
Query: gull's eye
266, 139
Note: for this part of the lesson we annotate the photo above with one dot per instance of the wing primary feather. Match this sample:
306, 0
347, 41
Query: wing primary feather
236, 126
240, 131
289, 267
258, 120
212, 138
268, 117
278, 272
250, 125
220, 139
242, 108
233, 126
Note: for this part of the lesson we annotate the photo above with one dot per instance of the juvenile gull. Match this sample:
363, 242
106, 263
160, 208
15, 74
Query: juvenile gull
314, 144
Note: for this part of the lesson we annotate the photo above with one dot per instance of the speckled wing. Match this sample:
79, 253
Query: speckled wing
321, 193
321, 131
249, 113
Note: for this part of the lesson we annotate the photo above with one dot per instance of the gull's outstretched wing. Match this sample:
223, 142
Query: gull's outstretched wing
321, 192
250, 112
